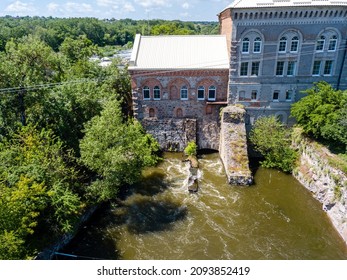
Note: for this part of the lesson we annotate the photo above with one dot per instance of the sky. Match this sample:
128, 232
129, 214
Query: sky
194, 10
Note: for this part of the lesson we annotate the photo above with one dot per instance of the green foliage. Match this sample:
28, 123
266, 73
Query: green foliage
11, 246
191, 149
272, 139
53, 31
322, 114
38, 187
116, 150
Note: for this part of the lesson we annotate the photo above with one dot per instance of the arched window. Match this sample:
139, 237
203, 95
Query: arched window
156, 93
201, 93
212, 93
257, 45
294, 47
245, 45
283, 45
184, 93
179, 113
151, 113
146, 93
320, 44
332, 43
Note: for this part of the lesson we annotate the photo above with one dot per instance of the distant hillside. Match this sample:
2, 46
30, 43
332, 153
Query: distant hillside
101, 32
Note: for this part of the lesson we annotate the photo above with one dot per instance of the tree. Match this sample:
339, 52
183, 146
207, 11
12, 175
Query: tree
39, 187
116, 149
322, 113
273, 140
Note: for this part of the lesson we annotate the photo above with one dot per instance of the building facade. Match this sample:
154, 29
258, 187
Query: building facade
268, 53
179, 84
279, 48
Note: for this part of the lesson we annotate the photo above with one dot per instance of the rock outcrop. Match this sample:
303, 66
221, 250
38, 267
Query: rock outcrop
327, 183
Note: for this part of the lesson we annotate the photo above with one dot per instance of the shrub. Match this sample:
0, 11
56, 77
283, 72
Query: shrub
191, 149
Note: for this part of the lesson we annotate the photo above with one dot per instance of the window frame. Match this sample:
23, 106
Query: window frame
316, 68
330, 63
184, 89
257, 42
295, 42
214, 90
201, 88
255, 66
245, 42
293, 72
244, 73
278, 96
277, 68
146, 88
332, 39
156, 90
282, 43
289, 93
320, 42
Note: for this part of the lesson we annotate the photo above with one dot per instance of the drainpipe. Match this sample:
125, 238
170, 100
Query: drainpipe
342, 65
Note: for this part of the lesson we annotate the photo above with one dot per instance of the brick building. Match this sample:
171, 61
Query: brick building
179, 85
268, 52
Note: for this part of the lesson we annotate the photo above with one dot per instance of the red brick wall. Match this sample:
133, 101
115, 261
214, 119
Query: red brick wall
225, 20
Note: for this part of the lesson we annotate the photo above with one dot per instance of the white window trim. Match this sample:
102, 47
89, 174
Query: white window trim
247, 74
294, 70
201, 99
143, 93
215, 93
334, 50
283, 69
154, 94
248, 43
185, 88
331, 69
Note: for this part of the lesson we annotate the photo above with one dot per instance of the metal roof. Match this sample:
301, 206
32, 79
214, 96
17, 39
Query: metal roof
179, 52
284, 3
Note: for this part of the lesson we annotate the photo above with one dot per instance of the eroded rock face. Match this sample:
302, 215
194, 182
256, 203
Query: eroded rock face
233, 146
326, 183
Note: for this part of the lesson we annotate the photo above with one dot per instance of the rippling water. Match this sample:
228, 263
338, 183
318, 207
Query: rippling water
275, 219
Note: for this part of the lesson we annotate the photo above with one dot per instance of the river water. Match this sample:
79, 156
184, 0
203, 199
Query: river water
277, 218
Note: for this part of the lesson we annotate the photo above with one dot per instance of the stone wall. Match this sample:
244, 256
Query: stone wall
233, 146
328, 184
171, 134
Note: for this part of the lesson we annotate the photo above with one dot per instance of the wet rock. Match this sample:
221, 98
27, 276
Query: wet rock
193, 187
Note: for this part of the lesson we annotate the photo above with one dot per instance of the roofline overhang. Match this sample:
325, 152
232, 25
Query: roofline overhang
175, 69
281, 7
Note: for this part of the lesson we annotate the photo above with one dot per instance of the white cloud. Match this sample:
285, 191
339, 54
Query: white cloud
19, 7
53, 7
107, 3
185, 6
128, 7
78, 7
153, 3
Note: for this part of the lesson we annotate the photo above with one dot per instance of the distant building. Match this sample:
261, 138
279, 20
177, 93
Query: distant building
279, 48
268, 52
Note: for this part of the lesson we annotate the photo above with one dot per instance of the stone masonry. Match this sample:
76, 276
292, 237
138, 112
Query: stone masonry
233, 146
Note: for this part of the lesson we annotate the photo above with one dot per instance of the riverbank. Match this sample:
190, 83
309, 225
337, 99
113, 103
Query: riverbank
327, 183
